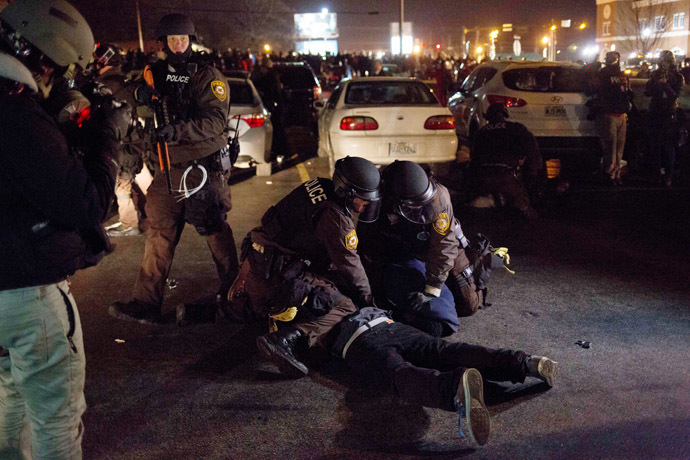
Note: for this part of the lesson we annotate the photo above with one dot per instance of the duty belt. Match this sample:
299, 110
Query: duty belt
363, 328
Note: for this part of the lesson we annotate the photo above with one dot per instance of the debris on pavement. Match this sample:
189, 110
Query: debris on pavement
583, 343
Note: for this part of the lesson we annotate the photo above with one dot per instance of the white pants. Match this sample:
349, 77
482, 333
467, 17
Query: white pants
42, 367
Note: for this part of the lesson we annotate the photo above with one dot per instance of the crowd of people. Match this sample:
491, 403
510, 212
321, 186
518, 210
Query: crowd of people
383, 304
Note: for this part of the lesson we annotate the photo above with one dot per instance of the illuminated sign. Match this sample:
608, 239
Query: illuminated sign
316, 26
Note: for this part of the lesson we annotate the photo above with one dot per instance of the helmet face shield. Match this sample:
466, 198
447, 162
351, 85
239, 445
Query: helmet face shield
371, 211
419, 210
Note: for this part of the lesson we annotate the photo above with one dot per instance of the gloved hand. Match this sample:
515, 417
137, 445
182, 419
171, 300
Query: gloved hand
418, 299
145, 94
116, 119
167, 133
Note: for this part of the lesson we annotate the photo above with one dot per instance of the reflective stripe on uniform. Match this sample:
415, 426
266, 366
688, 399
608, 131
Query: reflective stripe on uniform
363, 328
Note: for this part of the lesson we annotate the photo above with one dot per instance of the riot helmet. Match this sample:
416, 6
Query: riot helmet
14, 76
356, 177
496, 112
612, 58
667, 60
175, 24
53, 29
409, 192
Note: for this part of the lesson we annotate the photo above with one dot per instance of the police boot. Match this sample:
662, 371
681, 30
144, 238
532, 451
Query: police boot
469, 400
279, 348
542, 368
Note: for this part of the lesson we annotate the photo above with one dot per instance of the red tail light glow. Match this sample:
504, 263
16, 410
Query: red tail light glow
317, 93
358, 124
506, 100
254, 120
80, 117
440, 122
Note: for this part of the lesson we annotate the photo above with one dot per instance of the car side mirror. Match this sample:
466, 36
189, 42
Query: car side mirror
320, 104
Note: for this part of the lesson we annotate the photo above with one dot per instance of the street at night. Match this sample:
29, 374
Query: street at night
294, 229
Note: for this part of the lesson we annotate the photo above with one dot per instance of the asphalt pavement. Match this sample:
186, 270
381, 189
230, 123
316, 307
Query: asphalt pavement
609, 268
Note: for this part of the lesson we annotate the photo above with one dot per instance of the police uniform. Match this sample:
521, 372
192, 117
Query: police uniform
312, 228
439, 244
502, 153
196, 103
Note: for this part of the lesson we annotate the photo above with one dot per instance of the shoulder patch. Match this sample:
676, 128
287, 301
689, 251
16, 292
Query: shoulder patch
219, 90
442, 224
351, 240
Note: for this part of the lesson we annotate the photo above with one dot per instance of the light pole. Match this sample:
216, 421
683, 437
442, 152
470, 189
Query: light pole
492, 36
141, 36
402, 20
552, 44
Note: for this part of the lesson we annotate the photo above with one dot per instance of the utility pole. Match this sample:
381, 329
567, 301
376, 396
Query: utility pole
141, 36
402, 20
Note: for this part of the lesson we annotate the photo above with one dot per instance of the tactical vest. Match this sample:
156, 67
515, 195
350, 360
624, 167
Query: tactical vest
292, 221
173, 84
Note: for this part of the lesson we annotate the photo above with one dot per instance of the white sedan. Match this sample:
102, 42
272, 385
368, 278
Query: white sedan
384, 119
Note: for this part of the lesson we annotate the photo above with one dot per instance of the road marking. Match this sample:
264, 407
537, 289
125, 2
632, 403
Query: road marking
303, 174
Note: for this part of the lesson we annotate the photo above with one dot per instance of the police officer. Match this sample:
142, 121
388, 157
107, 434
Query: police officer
611, 103
51, 206
307, 243
663, 87
192, 103
429, 371
424, 271
109, 85
506, 162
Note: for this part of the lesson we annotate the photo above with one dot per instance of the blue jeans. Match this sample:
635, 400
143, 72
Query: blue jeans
42, 368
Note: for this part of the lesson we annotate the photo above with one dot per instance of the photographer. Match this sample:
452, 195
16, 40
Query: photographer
664, 87
51, 206
610, 106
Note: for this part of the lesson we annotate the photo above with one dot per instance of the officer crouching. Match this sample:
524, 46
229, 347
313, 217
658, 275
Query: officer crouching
191, 104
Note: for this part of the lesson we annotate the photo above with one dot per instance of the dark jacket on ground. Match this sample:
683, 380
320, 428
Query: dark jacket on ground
51, 204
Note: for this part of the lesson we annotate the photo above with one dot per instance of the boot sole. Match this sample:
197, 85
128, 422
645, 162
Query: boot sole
477, 416
548, 370
286, 367
112, 311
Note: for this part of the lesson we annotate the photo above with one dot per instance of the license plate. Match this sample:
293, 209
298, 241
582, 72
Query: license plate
403, 148
554, 111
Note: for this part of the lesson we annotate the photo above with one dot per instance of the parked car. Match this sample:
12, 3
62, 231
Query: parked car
250, 119
546, 97
384, 119
299, 88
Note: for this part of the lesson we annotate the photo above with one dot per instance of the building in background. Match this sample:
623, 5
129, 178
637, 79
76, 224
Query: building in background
641, 29
316, 33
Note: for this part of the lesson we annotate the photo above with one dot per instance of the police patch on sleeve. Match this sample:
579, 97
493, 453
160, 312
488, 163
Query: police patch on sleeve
219, 90
351, 240
442, 224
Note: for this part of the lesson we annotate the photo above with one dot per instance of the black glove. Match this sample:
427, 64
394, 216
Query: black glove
167, 133
418, 299
145, 94
116, 120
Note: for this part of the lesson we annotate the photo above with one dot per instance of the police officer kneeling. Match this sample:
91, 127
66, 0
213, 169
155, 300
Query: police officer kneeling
192, 102
51, 206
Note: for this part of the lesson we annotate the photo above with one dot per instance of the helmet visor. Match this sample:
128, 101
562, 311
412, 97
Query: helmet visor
418, 213
371, 211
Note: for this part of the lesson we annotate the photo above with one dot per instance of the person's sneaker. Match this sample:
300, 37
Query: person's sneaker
543, 368
136, 311
124, 231
470, 401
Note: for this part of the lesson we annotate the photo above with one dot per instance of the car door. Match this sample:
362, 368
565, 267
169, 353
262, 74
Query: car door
460, 104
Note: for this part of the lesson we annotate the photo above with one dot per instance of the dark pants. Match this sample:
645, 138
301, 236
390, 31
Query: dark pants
506, 188
663, 136
167, 214
426, 370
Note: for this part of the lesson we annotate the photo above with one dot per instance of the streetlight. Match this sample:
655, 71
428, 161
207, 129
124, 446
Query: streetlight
552, 44
267, 47
583, 26
492, 36
545, 41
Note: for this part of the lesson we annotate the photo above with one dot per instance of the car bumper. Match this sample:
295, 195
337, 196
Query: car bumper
255, 145
438, 148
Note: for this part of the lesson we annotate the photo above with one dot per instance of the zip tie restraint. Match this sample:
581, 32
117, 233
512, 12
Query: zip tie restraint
186, 193
503, 254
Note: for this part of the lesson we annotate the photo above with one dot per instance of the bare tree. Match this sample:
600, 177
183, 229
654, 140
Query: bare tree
642, 24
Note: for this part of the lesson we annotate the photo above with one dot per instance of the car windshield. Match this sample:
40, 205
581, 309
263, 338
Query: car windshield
547, 79
241, 94
297, 77
389, 93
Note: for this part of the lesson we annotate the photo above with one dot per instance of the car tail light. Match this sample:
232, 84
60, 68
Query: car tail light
358, 124
254, 120
440, 122
506, 100
317, 93
81, 116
